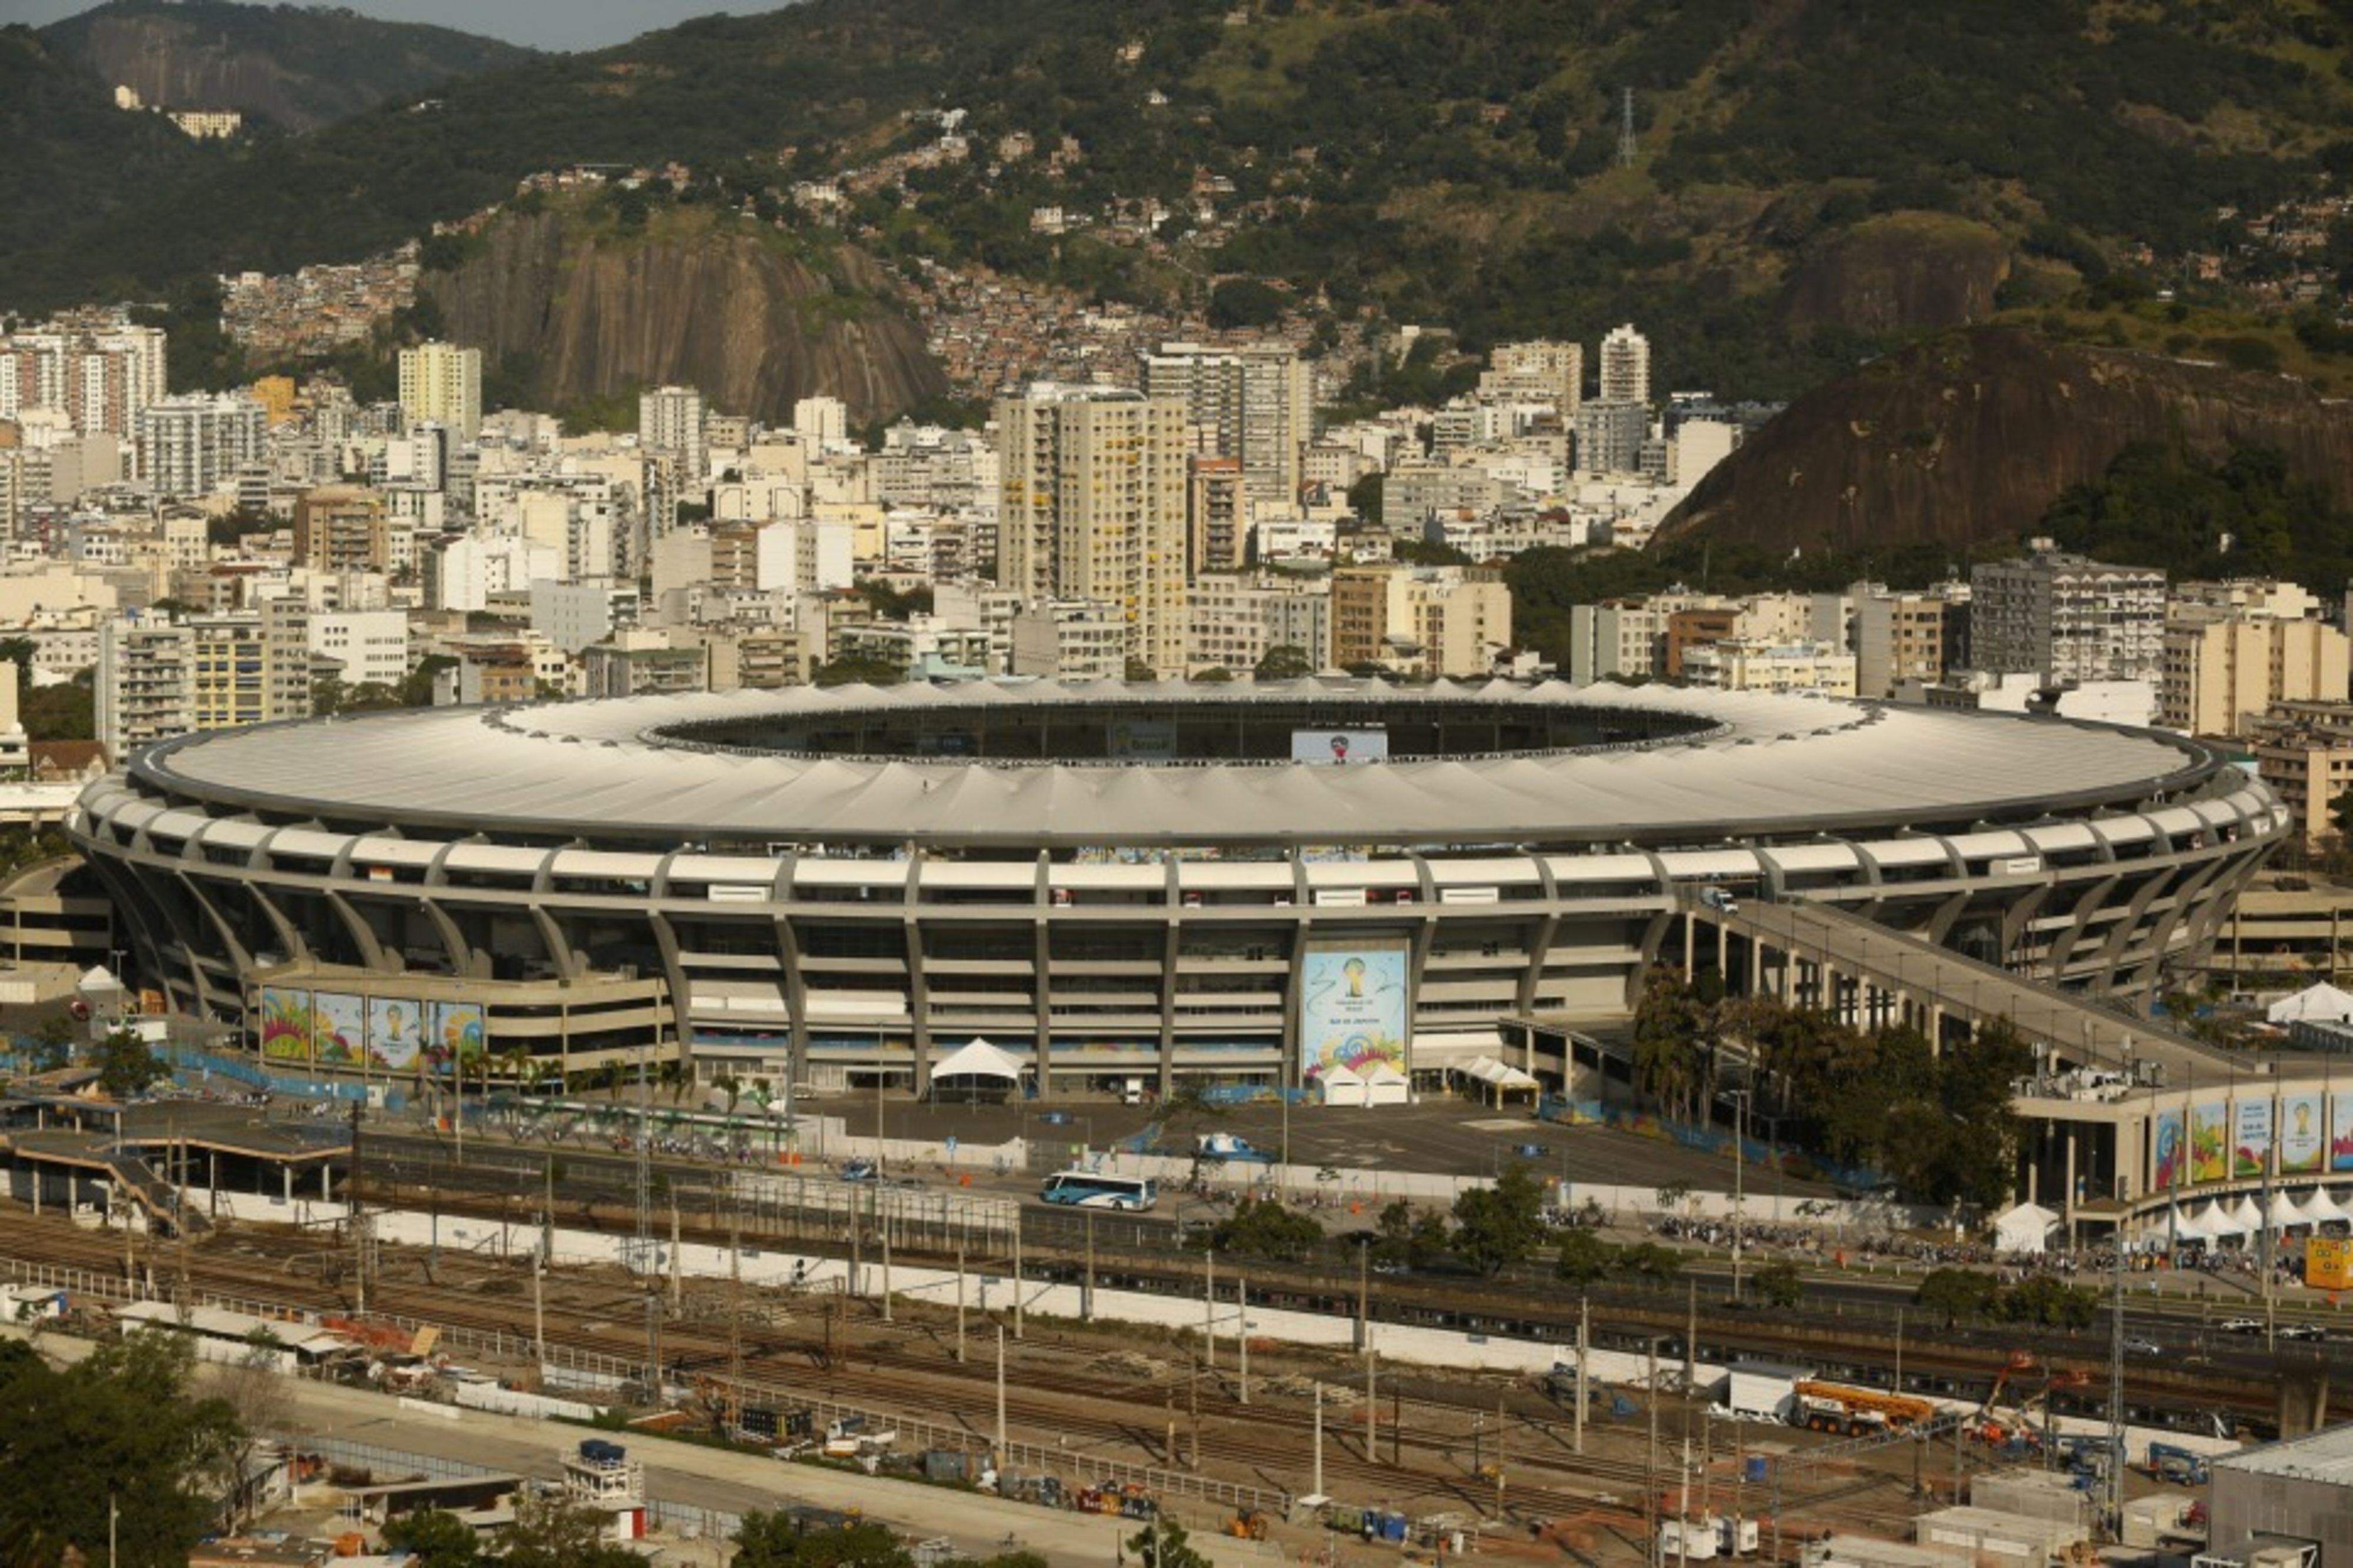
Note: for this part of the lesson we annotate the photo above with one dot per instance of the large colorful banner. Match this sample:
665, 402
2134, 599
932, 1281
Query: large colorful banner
1354, 1012
2172, 1162
338, 1029
2210, 1141
285, 1024
457, 1036
2340, 1134
2250, 1150
2303, 1135
395, 1031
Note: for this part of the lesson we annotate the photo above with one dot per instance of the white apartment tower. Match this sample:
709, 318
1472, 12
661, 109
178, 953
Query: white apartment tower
2065, 618
1094, 507
1538, 372
1254, 404
670, 419
194, 445
441, 383
1626, 366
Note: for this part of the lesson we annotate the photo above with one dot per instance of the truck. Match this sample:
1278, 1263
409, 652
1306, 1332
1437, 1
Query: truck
2183, 1467
1855, 1412
1758, 1392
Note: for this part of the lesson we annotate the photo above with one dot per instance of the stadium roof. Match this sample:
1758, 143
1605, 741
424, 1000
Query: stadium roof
608, 769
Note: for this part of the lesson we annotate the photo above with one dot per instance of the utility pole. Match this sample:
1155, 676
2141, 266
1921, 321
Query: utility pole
1372, 1409
959, 1301
1627, 146
1651, 1463
180, 1215
1193, 1410
1087, 1296
882, 1217
1000, 1398
1691, 1337
646, 1250
1739, 1186
1316, 1487
1241, 1330
677, 1275
1209, 1303
358, 1221
539, 1311
1363, 1298
734, 1317
1582, 1338
2115, 1483
1499, 1457
1017, 1275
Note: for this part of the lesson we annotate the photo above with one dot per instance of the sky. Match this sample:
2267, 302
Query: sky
541, 24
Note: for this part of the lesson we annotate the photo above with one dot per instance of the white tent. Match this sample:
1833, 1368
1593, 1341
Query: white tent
2320, 1206
2284, 1214
1498, 1079
1341, 1085
2026, 1228
2321, 1004
1385, 1085
2245, 1218
2213, 1222
977, 1060
2183, 1227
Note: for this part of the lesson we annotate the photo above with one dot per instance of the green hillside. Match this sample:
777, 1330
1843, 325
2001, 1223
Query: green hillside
1812, 180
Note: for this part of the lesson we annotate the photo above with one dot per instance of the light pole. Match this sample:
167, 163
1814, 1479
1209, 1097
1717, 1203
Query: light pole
1739, 1181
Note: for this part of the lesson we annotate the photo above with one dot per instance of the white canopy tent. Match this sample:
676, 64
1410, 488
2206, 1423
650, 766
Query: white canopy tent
2183, 1227
2320, 1206
2282, 1213
2245, 1218
979, 1063
1499, 1079
2320, 1004
1385, 1085
2212, 1222
2025, 1228
1341, 1085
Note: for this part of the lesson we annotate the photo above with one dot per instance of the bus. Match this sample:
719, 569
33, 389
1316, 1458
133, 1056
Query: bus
1094, 1190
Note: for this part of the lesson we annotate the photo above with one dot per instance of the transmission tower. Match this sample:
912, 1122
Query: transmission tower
1626, 143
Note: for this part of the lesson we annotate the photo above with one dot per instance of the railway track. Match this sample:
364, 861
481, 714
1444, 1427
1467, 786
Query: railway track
1272, 1445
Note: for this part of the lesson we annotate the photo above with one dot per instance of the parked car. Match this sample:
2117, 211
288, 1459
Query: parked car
2239, 1326
2312, 1332
858, 1171
2143, 1347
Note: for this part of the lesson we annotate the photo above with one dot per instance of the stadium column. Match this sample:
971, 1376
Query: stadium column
919, 997
1042, 983
1172, 944
797, 1040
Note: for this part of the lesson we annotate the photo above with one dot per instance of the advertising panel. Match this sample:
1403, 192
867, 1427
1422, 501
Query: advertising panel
2210, 1141
2328, 1263
395, 1031
285, 1024
457, 1037
1354, 1010
2172, 1163
2303, 1138
338, 1029
1342, 746
2340, 1134
2250, 1150
1144, 740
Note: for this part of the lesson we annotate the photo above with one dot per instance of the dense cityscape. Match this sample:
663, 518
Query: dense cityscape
905, 784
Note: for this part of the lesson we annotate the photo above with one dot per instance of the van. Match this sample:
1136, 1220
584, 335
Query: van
1130, 1093
1720, 901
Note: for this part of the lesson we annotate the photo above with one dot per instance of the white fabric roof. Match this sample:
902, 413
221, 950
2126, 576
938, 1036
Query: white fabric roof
1498, 1075
589, 767
2025, 1228
1382, 1072
2184, 1226
2322, 1002
2243, 1217
978, 1059
1340, 1073
2285, 1212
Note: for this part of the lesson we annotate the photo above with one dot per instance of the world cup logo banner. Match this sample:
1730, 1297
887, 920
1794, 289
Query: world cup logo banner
1353, 1011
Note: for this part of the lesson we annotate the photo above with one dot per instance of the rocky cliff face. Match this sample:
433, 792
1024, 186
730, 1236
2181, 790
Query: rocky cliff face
300, 67
751, 324
1971, 436
1898, 273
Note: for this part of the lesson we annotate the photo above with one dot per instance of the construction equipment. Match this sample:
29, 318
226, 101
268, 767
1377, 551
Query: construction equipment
2182, 1467
1854, 1412
1248, 1525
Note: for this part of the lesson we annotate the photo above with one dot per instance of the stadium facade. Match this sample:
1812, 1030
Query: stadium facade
1110, 882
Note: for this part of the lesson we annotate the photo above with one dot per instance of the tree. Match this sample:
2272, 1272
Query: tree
1666, 1040
557, 1532
1262, 1228
2340, 812
1214, 675
1958, 1295
438, 1538
52, 1041
1283, 661
857, 670
1245, 302
1502, 1223
123, 1425
1137, 673
125, 1066
1161, 1544
777, 1540
1779, 1285
1585, 1258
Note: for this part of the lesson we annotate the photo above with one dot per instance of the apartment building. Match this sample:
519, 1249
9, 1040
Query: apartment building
1236, 620
1742, 664
2066, 618
343, 528
2224, 669
441, 383
1625, 367
194, 445
1420, 620
1901, 637
2303, 751
1070, 640
157, 678
1617, 639
1092, 507
1252, 404
1216, 525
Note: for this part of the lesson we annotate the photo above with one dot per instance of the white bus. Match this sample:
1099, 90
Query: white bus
1094, 1190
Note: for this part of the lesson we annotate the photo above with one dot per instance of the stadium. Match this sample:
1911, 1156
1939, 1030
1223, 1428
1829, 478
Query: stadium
1111, 884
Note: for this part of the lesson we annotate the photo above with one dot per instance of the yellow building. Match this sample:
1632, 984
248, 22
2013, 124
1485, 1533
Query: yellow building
1420, 620
2224, 669
276, 396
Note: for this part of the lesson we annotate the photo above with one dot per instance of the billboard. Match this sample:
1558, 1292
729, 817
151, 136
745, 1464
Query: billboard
2303, 1135
395, 1031
1342, 746
1352, 1008
2210, 1141
2250, 1149
2328, 1264
456, 1035
2171, 1166
1144, 740
285, 1024
338, 1029
2340, 1134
